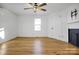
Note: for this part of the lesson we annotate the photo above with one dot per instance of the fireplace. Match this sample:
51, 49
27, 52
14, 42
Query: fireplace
73, 36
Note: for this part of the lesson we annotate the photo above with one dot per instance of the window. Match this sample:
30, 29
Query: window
2, 33
37, 24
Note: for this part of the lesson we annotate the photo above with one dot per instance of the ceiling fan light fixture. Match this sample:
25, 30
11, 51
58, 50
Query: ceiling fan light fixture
37, 7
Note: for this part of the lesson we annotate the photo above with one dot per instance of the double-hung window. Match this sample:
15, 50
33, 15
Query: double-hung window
37, 24
2, 33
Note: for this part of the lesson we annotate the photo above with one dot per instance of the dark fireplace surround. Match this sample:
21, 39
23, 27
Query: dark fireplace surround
73, 36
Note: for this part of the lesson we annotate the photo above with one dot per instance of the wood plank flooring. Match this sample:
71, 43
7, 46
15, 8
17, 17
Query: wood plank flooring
37, 46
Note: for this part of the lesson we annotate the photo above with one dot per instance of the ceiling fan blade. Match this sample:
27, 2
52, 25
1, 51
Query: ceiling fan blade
43, 9
31, 4
43, 4
27, 8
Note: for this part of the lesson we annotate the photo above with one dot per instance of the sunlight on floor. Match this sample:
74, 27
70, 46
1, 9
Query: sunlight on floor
3, 49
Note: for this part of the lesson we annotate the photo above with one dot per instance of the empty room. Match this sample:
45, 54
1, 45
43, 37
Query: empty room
39, 29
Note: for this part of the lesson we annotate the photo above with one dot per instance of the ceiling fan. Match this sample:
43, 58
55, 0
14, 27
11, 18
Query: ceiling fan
36, 7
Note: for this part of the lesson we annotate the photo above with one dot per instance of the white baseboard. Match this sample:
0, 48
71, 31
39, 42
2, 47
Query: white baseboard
59, 38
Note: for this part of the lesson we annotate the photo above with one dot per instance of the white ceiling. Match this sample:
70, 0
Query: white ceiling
18, 8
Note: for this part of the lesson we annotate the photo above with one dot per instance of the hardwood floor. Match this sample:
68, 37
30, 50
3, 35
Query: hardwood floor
37, 46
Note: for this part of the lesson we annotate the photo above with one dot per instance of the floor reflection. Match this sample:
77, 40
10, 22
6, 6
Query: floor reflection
37, 47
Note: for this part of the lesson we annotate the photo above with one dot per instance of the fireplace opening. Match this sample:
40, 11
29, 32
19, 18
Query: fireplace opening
77, 38
73, 36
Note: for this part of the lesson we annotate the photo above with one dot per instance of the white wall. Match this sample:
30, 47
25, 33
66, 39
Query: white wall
26, 26
58, 26
8, 22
